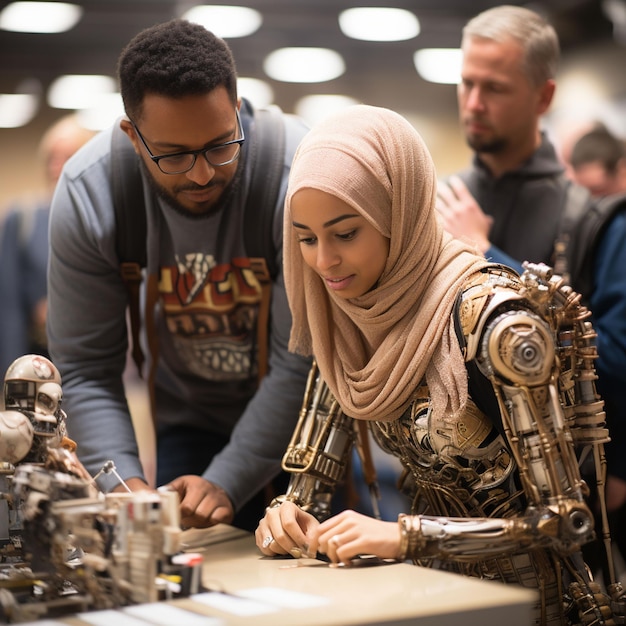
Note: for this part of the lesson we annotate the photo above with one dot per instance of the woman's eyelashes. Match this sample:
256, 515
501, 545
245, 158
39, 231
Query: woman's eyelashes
307, 241
348, 236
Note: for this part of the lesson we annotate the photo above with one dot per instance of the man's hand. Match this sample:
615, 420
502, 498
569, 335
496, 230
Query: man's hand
202, 503
462, 216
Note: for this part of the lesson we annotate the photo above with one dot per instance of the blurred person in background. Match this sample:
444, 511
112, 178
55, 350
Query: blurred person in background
598, 162
24, 250
511, 199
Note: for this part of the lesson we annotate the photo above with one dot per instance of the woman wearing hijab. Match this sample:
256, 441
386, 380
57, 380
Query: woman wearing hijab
475, 378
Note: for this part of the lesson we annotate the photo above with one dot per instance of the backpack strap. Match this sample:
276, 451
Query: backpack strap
268, 155
130, 219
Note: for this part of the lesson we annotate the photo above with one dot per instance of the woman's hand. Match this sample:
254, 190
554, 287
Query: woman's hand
285, 529
350, 534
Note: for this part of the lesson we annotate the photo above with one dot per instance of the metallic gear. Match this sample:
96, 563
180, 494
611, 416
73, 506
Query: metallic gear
497, 491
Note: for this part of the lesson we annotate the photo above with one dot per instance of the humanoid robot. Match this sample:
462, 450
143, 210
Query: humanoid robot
497, 491
32, 430
32, 420
64, 545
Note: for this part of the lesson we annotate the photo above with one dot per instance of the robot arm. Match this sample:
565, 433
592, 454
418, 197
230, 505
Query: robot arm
518, 355
537, 351
319, 449
471, 539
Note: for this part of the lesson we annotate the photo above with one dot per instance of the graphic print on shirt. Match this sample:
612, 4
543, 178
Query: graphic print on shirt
211, 312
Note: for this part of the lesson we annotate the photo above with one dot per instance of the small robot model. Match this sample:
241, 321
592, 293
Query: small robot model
65, 546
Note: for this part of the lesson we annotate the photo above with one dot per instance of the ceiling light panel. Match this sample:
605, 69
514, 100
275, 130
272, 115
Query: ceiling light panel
304, 65
40, 17
316, 107
103, 111
17, 109
439, 65
379, 24
75, 91
226, 21
256, 91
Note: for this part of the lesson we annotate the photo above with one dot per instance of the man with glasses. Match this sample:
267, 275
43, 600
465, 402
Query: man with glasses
220, 433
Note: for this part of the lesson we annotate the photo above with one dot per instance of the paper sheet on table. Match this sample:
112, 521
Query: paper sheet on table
200, 537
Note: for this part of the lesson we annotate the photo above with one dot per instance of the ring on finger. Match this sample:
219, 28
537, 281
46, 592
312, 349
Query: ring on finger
268, 541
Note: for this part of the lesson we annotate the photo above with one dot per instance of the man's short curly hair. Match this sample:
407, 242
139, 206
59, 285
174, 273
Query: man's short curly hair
174, 59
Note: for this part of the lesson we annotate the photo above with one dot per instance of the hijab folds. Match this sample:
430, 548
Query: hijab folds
373, 351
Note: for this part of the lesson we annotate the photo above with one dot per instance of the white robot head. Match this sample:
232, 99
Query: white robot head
33, 384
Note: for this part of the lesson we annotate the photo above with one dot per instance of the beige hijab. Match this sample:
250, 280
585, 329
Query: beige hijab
373, 351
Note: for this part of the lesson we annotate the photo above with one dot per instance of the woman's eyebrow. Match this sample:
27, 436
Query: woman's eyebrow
329, 222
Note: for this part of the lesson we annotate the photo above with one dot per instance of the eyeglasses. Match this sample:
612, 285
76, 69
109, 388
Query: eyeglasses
181, 162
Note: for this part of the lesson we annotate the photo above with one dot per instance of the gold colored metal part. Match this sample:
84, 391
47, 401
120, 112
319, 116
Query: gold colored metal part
318, 452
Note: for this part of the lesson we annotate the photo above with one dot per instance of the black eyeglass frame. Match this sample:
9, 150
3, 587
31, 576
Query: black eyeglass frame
195, 153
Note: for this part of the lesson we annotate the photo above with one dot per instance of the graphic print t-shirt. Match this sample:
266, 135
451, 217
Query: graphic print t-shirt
210, 312
209, 299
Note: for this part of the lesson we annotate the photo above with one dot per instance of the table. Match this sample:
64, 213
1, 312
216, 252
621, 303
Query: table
248, 588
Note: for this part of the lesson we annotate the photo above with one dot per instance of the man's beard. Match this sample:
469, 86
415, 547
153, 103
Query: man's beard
171, 200
491, 145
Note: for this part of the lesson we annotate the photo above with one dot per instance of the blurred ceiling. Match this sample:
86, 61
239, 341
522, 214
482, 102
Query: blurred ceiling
377, 73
